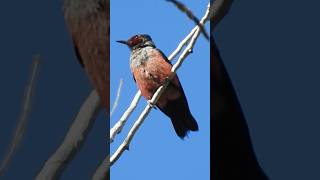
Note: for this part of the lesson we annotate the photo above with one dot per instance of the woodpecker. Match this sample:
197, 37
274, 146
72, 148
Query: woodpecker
151, 68
88, 24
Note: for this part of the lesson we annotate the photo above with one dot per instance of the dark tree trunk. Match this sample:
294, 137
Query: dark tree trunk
233, 155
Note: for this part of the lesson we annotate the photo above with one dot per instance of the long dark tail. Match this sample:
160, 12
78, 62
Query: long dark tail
180, 115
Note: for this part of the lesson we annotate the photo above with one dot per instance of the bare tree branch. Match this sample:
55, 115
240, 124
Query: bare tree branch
219, 9
190, 15
143, 115
103, 171
74, 139
182, 44
24, 115
116, 129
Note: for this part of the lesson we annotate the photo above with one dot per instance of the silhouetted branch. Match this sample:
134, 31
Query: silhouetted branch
219, 9
155, 97
24, 115
190, 15
102, 172
74, 139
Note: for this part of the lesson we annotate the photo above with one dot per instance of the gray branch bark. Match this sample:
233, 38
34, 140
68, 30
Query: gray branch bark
219, 9
74, 139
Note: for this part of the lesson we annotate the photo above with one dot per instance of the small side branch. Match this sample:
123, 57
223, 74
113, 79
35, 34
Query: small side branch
115, 104
74, 139
103, 171
190, 15
116, 129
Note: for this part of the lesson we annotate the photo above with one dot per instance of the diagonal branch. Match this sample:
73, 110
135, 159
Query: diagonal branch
219, 9
24, 115
116, 129
103, 171
146, 111
190, 15
74, 139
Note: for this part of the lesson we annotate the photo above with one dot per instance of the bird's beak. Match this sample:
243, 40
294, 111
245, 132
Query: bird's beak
123, 42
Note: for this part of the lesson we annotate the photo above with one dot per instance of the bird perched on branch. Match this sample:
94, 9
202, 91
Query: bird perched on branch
88, 24
151, 68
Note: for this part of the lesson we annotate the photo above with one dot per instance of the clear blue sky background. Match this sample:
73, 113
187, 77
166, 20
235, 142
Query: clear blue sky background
156, 152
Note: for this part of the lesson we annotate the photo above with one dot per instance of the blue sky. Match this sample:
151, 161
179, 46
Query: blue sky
163, 155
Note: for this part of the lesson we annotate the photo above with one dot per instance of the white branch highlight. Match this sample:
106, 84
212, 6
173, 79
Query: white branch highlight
73, 140
115, 104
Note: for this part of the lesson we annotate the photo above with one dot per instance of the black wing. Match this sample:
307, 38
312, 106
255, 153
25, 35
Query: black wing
164, 56
134, 78
78, 54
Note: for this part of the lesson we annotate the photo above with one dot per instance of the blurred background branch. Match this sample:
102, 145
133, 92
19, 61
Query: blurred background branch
73, 140
24, 115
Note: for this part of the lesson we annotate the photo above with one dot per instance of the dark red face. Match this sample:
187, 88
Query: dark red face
136, 40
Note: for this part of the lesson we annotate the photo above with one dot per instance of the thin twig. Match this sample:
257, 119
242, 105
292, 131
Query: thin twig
155, 97
115, 104
190, 15
24, 115
116, 129
182, 44
74, 139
